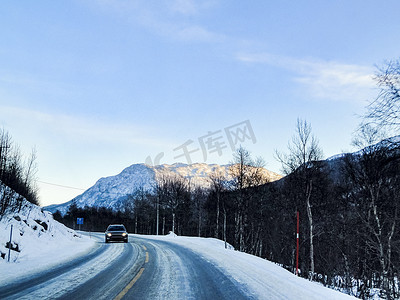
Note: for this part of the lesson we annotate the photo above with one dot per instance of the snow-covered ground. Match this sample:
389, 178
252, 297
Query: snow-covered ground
39, 242
265, 279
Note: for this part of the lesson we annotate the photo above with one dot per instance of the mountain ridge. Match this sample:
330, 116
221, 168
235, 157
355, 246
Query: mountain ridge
112, 191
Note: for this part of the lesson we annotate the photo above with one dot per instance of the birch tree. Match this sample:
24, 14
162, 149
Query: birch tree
374, 175
303, 151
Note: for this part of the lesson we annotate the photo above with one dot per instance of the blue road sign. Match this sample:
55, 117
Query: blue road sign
79, 221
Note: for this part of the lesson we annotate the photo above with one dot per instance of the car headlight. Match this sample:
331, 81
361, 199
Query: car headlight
109, 234
124, 234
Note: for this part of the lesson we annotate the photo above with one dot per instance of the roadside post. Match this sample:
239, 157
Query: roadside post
9, 245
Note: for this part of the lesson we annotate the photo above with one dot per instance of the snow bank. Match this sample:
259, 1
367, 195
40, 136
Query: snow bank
265, 279
38, 242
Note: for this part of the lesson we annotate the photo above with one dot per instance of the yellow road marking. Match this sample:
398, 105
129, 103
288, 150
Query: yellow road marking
144, 247
129, 286
147, 257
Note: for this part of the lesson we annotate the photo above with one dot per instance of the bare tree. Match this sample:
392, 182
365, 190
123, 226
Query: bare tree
385, 109
199, 197
5, 145
172, 190
239, 170
245, 173
6, 195
133, 206
14, 174
31, 169
29, 173
304, 150
218, 184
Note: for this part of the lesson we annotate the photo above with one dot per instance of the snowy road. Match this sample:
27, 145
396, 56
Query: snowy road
175, 272
141, 269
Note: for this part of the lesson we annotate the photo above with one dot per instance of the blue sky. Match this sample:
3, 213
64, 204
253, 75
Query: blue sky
96, 86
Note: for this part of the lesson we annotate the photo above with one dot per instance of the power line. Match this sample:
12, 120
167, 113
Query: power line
63, 186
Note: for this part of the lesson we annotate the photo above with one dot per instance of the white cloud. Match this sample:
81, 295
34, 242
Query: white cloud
322, 79
338, 81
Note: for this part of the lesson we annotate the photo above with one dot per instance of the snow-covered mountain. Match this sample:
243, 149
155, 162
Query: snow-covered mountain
112, 191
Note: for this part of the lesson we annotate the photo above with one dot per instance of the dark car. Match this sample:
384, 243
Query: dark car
116, 232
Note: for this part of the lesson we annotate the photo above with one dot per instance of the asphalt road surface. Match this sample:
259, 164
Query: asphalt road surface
140, 269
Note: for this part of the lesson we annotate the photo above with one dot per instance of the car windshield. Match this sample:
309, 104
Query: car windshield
116, 228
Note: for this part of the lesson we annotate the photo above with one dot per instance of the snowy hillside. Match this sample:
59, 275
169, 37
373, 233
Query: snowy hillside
111, 191
34, 235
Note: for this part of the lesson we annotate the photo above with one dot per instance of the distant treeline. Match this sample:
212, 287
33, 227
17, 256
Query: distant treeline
94, 218
17, 173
